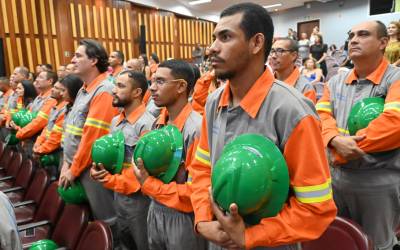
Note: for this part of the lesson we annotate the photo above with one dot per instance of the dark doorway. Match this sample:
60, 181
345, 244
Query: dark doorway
306, 27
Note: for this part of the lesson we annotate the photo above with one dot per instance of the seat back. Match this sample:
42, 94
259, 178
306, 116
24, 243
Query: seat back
2, 147
25, 174
71, 225
51, 206
14, 165
6, 158
97, 236
342, 234
38, 186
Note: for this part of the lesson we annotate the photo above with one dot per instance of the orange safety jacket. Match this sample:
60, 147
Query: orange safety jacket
299, 82
4, 109
50, 138
37, 124
203, 87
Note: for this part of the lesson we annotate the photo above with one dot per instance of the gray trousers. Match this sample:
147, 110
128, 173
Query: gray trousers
132, 220
169, 229
376, 209
212, 246
101, 200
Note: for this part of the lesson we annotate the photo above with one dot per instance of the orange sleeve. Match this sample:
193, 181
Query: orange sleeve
201, 175
53, 141
97, 124
37, 124
172, 195
310, 94
40, 139
325, 112
383, 133
200, 92
311, 209
124, 183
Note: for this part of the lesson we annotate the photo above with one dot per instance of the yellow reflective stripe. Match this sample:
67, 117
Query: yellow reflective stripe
127, 165
315, 193
70, 129
344, 131
62, 138
97, 124
203, 156
189, 179
47, 133
19, 105
324, 106
43, 115
392, 106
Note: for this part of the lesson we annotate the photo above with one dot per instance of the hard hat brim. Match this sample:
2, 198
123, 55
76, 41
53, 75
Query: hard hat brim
356, 115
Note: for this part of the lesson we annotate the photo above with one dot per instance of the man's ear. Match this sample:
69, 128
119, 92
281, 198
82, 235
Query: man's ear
257, 43
182, 86
94, 61
136, 92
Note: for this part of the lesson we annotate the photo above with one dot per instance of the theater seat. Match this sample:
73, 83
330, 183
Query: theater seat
97, 236
342, 234
5, 160
22, 181
11, 172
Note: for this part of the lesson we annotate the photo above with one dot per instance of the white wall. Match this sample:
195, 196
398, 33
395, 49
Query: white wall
335, 20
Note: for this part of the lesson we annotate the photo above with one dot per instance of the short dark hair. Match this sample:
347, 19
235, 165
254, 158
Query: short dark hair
137, 79
120, 55
255, 20
73, 84
381, 29
180, 70
51, 75
196, 72
293, 45
48, 66
155, 57
94, 50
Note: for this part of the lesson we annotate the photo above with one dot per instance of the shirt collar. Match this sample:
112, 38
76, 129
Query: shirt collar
375, 77
117, 70
45, 94
134, 116
179, 121
146, 97
252, 101
90, 86
61, 105
292, 78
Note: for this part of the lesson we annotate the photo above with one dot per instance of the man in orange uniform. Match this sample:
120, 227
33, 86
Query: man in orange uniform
42, 104
254, 102
170, 218
134, 121
206, 84
6, 89
365, 173
89, 119
283, 56
116, 61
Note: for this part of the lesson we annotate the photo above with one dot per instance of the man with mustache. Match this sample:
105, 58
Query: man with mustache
254, 102
365, 173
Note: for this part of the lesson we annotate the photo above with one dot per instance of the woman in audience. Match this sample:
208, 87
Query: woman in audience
314, 34
153, 63
304, 46
392, 51
311, 72
146, 70
26, 92
318, 52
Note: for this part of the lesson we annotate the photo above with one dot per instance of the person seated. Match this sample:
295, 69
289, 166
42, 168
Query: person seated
311, 72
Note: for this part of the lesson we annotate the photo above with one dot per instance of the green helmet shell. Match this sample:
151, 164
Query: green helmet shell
252, 173
23, 117
74, 194
50, 159
11, 139
161, 152
363, 112
110, 151
43, 245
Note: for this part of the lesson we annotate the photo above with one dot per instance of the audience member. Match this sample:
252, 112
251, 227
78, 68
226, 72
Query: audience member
392, 51
318, 51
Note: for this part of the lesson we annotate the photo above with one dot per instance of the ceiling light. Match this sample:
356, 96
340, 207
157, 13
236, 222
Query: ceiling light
199, 2
272, 6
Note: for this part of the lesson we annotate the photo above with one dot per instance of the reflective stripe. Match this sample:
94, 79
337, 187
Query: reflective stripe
47, 133
43, 115
19, 105
62, 138
314, 194
392, 106
74, 130
203, 156
344, 131
189, 179
127, 165
97, 124
57, 129
324, 106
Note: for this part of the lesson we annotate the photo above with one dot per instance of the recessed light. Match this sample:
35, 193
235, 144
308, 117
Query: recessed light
199, 2
272, 5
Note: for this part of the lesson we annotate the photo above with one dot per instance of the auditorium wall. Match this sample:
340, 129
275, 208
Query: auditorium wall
48, 31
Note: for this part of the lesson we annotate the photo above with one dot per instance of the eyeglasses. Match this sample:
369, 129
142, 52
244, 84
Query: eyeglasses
160, 81
279, 51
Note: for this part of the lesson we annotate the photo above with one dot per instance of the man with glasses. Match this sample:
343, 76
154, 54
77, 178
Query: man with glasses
170, 218
134, 121
282, 60
366, 166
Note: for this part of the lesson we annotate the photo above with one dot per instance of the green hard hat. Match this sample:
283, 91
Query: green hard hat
50, 159
252, 173
43, 245
19, 116
363, 112
74, 194
11, 139
161, 152
110, 151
